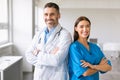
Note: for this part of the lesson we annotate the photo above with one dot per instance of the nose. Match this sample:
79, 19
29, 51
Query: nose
85, 28
48, 16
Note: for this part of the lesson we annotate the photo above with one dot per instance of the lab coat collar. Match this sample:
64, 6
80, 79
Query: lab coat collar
52, 36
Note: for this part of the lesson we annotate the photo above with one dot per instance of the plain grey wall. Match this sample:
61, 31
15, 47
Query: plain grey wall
105, 22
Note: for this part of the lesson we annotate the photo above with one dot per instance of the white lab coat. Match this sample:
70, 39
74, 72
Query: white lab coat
50, 66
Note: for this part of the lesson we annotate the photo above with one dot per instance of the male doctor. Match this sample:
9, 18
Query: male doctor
49, 49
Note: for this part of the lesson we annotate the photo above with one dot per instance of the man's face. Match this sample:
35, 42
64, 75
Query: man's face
51, 17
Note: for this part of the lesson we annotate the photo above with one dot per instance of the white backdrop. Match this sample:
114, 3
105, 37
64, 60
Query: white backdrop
105, 22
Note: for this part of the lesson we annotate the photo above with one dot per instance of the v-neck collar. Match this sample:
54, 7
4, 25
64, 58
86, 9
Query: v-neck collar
84, 46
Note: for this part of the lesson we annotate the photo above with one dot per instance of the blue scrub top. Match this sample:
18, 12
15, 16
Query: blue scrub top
79, 52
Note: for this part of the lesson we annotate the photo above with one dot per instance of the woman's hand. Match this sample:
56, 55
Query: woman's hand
86, 64
102, 66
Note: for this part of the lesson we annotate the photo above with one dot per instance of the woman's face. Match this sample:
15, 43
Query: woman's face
83, 29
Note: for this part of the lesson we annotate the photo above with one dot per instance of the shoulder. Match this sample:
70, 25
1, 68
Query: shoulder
93, 45
64, 33
38, 33
62, 30
74, 45
74, 49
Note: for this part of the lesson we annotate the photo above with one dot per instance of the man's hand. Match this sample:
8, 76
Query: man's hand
36, 51
54, 50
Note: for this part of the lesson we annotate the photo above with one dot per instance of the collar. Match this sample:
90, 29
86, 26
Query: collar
51, 30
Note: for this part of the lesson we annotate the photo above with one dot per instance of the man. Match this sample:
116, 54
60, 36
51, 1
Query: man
49, 49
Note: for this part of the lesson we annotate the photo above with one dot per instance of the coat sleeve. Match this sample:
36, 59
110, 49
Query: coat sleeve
32, 59
47, 59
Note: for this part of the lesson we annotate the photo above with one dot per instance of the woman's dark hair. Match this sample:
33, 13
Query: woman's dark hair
76, 36
53, 5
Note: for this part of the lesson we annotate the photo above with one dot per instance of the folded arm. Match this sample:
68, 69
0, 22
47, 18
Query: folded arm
102, 66
54, 58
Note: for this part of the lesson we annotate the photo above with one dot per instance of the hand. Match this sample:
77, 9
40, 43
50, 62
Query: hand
86, 64
36, 51
54, 50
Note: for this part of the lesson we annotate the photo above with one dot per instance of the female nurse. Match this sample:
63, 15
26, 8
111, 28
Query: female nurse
86, 59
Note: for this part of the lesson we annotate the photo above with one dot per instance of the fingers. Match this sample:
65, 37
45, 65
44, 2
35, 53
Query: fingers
36, 51
55, 50
84, 63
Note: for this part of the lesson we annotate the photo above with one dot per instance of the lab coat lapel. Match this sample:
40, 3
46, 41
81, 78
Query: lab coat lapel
42, 38
53, 35
41, 44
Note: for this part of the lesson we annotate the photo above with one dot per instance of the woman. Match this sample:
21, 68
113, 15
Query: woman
86, 59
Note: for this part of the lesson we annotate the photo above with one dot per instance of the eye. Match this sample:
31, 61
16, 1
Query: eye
81, 26
52, 14
45, 14
87, 26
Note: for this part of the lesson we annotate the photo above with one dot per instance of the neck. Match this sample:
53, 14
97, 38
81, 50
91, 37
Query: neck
84, 42
51, 27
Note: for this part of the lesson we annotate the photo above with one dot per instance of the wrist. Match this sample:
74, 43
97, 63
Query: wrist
94, 67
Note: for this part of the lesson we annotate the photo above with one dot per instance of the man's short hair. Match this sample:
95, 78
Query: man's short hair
52, 5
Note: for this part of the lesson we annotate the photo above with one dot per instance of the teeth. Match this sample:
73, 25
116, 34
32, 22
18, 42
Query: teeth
84, 33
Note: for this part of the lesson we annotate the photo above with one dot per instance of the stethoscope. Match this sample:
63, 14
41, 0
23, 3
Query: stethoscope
58, 33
